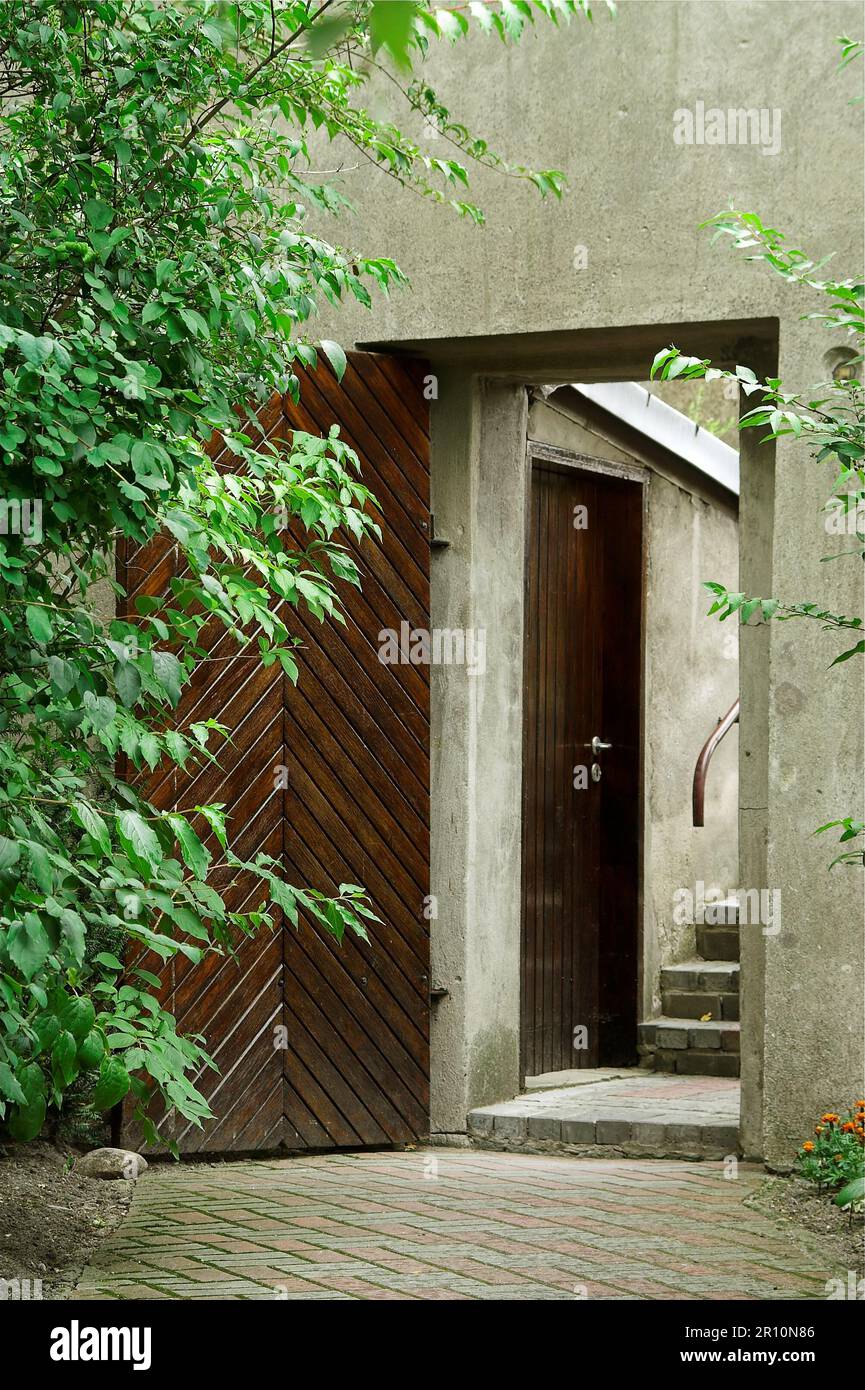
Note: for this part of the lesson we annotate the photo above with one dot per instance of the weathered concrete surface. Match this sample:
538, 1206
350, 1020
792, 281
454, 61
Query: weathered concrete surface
477, 582
812, 999
599, 103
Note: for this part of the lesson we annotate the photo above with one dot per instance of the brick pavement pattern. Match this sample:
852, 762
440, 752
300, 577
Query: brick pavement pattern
449, 1224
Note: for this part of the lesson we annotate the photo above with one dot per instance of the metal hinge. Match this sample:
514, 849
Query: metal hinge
436, 542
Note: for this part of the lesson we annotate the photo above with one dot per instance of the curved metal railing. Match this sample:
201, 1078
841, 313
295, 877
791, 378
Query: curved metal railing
701, 769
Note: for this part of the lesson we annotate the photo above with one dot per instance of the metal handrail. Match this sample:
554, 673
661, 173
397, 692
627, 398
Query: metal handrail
702, 767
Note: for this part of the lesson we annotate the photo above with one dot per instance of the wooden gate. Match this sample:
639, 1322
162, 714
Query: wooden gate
353, 737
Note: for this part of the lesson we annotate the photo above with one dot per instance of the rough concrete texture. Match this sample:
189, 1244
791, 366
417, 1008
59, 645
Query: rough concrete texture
438, 1225
599, 102
691, 675
478, 502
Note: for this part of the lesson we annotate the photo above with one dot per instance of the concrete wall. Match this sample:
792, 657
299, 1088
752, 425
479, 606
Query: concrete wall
691, 678
479, 502
599, 103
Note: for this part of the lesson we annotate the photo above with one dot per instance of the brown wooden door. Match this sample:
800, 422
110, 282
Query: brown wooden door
352, 806
580, 835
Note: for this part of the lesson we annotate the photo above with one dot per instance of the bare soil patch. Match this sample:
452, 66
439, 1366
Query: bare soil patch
837, 1235
52, 1217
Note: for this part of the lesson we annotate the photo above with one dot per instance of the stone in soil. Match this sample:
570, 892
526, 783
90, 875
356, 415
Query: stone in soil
112, 1163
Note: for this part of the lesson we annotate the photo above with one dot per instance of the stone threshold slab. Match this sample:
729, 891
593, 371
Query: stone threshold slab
629, 1112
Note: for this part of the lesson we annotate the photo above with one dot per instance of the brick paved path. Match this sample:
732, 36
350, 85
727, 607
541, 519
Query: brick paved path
449, 1224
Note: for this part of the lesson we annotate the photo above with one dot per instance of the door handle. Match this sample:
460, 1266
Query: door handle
598, 744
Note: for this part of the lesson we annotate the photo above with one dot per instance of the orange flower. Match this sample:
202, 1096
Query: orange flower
839, 1158
829, 1118
861, 1104
847, 1127
808, 1147
818, 1129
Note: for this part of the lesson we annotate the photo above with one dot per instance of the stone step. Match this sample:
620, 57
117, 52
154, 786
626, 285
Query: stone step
698, 987
689, 1046
677, 1135
718, 943
631, 1112
716, 976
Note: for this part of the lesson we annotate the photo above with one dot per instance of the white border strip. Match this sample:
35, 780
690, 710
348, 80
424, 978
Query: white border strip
635, 406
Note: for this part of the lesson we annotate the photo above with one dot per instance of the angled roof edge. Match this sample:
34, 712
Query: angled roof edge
637, 407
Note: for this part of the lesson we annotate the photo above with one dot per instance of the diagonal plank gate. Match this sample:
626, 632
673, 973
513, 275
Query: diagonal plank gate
353, 737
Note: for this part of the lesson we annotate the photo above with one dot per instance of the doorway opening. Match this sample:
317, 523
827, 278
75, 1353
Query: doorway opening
487, 394
631, 502
581, 808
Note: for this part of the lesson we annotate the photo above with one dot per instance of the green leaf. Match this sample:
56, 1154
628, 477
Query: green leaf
325, 33
391, 26
91, 821
98, 214
452, 25
113, 1084
858, 650
169, 673
195, 855
853, 1192
74, 935
28, 945
64, 1058
138, 839
215, 817
27, 1120
285, 897
109, 960
335, 356
39, 624
9, 852
10, 1087
91, 1051
77, 1017
194, 322
47, 1027
127, 682
483, 14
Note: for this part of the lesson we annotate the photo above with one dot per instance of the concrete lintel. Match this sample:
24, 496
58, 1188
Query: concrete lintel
610, 353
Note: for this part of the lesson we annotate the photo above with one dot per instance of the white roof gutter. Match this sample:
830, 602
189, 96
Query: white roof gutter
637, 407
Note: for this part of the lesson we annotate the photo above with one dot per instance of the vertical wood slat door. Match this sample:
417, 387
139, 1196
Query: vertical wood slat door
331, 776
580, 841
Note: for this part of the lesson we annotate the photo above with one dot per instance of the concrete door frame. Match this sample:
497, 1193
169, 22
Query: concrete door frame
478, 430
